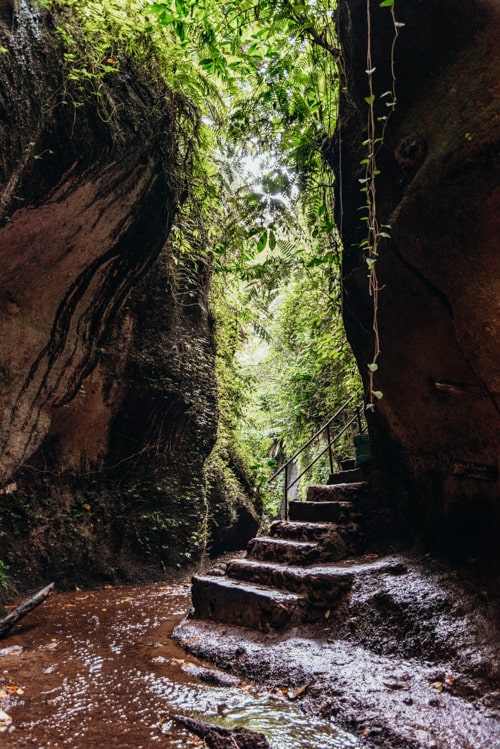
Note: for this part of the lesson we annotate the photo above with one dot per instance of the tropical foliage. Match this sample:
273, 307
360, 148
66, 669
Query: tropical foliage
259, 82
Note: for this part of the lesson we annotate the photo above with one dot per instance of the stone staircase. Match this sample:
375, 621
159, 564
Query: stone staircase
300, 571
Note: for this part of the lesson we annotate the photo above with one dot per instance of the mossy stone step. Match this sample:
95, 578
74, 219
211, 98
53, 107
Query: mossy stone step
336, 540
337, 492
244, 604
302, 531
285, 551
322, 585
352, 476
319, 512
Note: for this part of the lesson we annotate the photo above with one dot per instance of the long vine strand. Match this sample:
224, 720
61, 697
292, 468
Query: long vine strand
376, 232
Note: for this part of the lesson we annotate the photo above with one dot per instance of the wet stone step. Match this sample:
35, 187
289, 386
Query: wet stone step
348, 464
335, 540
337, 492
244, 604
301, 531
333, 512
284, 551
321, 585
356, 475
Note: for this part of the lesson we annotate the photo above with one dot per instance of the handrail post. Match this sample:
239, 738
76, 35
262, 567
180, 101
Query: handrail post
330, 454
285, 494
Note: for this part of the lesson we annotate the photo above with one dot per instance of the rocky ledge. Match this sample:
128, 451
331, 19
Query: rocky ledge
409, 661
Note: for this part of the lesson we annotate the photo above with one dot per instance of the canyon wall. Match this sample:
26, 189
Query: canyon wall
436, 430
107, 383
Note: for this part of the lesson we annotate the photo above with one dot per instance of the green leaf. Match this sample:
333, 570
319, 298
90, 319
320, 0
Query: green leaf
180, 7
373, 367
262, 243
378, 394
387, 4
166, 18
370, 99
272, 240
180, 30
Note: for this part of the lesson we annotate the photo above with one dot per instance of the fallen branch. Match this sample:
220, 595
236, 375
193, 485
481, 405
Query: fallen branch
23, 609
223, 738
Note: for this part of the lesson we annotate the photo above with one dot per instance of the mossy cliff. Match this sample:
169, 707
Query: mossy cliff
436, 430
107, 383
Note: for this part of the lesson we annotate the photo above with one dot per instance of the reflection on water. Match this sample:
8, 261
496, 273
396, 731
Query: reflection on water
98, 669
284, 724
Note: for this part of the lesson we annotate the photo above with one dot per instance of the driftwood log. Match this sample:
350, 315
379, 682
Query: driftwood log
224, 738
23, 609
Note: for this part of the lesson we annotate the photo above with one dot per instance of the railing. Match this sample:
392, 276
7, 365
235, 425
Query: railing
356, 417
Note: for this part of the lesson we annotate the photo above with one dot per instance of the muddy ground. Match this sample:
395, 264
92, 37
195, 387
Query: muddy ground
98, 668
410, 660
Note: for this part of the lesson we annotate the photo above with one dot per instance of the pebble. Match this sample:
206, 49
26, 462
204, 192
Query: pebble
11, 650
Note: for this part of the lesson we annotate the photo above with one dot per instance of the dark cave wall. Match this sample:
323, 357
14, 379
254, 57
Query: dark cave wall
86, 207
116, 490
436, 430
107, 384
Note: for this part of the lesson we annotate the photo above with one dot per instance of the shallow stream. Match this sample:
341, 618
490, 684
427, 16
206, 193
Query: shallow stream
98, 669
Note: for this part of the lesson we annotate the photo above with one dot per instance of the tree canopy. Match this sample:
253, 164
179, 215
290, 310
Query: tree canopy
259, 84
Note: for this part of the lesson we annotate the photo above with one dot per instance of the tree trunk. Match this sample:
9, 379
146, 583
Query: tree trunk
23, 609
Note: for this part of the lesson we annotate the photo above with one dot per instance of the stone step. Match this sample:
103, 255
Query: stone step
356, 475
244, 604
331, 512
336, 541
321, 585
337, 492
301, 531
348, 464
283, 551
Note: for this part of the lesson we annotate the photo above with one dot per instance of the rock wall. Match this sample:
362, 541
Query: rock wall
234, 504
436, 431
86, 207
107, 384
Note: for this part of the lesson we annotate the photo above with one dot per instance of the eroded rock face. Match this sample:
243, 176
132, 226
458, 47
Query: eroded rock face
107, 385
234, 505
87, 207
437, 429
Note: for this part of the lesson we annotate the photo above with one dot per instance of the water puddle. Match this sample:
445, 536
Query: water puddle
98, 669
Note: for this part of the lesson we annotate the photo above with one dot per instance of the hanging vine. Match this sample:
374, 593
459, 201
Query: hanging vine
376, 232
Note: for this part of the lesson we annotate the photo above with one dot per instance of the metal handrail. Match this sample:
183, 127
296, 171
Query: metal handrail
328, 447
311, 439
330, 442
